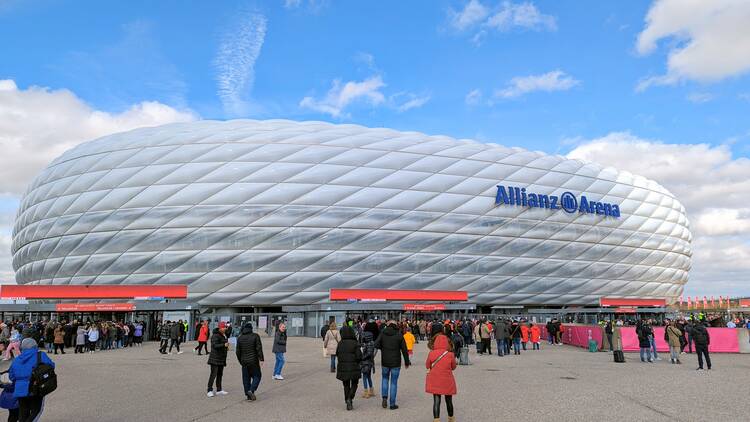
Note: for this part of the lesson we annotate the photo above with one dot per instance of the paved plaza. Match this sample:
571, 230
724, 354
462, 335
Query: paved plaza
558, 383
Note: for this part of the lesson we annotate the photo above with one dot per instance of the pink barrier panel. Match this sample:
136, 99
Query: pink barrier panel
723, 340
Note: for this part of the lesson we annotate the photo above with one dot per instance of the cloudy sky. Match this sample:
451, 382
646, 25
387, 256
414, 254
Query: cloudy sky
660, 88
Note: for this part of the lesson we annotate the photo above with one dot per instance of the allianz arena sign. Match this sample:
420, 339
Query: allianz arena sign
568, 202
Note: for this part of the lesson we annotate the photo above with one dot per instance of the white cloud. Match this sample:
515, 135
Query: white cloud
503, 17
710, 39
292, 4
711, 184
235, 62
414, 101
38, 124
523, 15
474, 97
341, 95
551, 81
700, 97
473, 13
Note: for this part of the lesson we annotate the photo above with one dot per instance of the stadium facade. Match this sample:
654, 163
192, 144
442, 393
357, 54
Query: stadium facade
271, 213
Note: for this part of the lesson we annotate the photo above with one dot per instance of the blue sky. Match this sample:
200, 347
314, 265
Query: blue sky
561, 77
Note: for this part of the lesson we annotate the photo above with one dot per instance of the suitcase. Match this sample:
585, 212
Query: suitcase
593, 346
619, 356
463, 357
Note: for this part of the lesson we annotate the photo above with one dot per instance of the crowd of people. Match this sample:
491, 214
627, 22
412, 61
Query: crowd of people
56, 337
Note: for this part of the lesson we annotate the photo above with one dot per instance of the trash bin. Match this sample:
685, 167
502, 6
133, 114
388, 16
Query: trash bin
463, 357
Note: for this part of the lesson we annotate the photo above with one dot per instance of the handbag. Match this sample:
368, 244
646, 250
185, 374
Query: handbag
432, 365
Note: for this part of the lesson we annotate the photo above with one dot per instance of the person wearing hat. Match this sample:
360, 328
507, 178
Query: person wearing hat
350, 357
217, 358
250, 354
392, 346
29, 407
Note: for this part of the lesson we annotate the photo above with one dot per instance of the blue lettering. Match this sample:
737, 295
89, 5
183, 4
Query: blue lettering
615, 211
543, 201
553, 204
532, 201
502, 196
599, 208
584, 205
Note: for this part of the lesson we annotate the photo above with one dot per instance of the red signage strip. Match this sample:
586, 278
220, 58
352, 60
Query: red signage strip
420, 307
625, 310
745, 303
613, 301
429, 295
69, 291
94, 307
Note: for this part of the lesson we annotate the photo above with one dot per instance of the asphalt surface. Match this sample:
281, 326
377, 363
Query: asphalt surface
558, 383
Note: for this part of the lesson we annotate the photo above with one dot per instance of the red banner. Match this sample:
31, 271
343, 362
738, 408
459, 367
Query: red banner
613, 301
745, 303
93, 291
420, 307
94, 307
417, 295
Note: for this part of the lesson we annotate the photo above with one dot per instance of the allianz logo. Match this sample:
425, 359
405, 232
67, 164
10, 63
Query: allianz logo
567, 202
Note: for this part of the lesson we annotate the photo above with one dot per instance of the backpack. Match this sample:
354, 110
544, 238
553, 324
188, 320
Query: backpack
43, 378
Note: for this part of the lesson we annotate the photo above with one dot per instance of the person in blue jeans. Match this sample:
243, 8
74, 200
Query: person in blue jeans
392, 348
30, 407
331, 343
279, 348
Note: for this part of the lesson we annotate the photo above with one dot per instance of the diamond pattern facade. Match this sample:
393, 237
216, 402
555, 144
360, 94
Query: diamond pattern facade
278, 212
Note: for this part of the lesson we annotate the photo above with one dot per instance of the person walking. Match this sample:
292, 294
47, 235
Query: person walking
485, 332
410, 340
524, 334
440, 364
673, 339
331, 342
392, 347
59, 340
250, 354
367, 366
702, 340
164, 337
202, 338
14, 344
30, 407
175, 332
279, 349
348, 372
217, 359
689, 332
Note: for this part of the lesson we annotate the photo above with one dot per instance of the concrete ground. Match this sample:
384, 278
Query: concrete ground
558, 383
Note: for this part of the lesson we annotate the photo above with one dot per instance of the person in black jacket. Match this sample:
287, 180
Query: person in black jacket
392, 346
702, 340
250, 355
218, 360
279, 349
348, 371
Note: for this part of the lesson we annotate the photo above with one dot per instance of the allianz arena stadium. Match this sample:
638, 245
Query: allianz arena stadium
271, 213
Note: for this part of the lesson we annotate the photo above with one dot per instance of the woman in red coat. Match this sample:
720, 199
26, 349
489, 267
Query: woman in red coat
536, 334
524, 334
202, 338
440, 382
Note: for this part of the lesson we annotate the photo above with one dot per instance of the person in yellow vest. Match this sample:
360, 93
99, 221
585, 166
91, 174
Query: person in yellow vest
410, 340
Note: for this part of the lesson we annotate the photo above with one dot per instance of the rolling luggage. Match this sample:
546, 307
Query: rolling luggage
463, 357
619, 356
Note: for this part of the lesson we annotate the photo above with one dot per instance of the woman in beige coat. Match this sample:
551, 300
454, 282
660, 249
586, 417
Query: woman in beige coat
331, 343
673, 339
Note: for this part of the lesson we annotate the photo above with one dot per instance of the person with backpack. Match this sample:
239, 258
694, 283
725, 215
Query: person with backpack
440, 364
33, 374
367, 365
